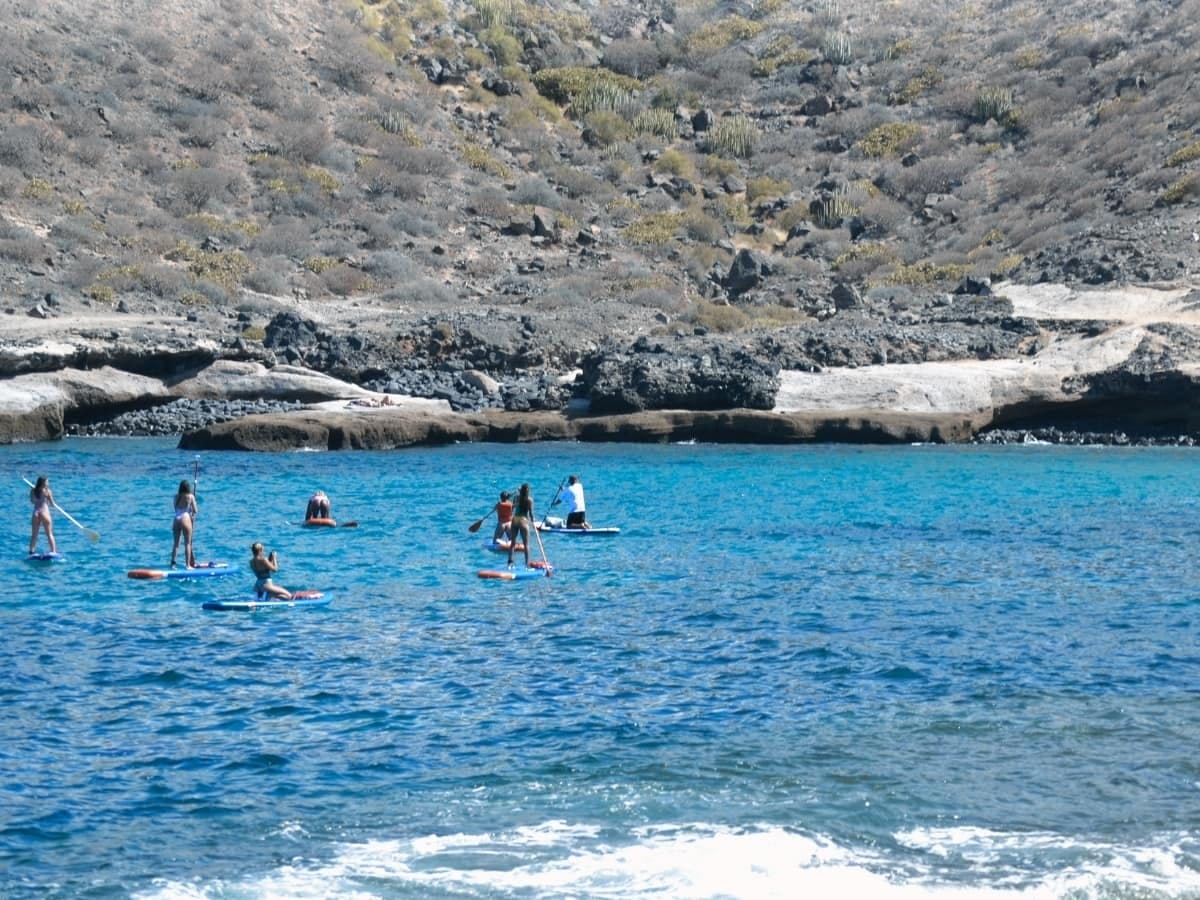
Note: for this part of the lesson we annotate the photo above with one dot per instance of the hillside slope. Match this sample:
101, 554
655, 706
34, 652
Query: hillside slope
596, 171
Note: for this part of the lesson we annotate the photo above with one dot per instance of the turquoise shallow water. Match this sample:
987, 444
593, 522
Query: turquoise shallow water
815, 671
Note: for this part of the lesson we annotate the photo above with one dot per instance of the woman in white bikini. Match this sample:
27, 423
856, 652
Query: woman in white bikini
42, 500
182, 526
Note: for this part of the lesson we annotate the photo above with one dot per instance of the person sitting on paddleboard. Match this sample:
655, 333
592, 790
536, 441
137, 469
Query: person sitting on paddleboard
577, 511
519, 529
42, 500
318, 507
182, 526
504, 515
263, 567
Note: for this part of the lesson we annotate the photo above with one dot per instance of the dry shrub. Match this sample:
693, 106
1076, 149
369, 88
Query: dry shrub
303, 137
344, 280
719, 318
196, 189
580, 184
24, 249
427, 162
932, 176
490, 202
536, 191
635, 57
284, 237
20, 146
700, 226
346, 58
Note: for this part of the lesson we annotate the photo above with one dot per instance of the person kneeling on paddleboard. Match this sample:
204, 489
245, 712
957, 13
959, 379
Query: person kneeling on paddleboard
318, 507
576, 509
263, 567
504, 516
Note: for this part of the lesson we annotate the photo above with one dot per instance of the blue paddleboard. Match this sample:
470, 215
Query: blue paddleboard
203, 570
252, 602
577, 532
539, 570
45, 556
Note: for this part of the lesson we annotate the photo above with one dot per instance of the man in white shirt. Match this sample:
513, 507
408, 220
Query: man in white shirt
576, 510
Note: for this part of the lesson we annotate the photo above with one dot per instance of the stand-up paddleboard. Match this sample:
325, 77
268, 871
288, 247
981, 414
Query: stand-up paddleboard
45, 557
203, 570
537, 569
502, 547
299, 598
326, 523
545, 528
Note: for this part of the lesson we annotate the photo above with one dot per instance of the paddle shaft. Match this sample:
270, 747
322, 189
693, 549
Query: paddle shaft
92, 535
552, 502
533, 527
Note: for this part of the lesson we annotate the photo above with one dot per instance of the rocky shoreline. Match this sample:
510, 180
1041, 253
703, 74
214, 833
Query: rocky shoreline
193, 422
1032, 364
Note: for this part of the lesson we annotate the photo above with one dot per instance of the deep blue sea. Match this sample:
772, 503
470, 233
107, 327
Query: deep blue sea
823, 671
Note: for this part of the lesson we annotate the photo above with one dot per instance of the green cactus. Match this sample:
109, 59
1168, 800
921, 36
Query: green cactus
838, 48
659, 122
733, 136
830, 210
993, 103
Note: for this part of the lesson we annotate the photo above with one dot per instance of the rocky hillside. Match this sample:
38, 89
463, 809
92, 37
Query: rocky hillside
519, 187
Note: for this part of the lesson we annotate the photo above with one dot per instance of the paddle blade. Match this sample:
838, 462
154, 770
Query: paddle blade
475, 526
349, 525
92, 536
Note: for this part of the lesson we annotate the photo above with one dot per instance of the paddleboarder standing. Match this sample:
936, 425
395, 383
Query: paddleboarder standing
42, 499
183, 525
522, 517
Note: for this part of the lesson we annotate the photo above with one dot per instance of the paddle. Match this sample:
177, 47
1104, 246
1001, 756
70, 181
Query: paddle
91, 535
542, 548
195, 495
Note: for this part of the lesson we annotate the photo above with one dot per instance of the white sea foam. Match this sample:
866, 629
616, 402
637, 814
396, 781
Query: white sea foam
1088, 869
557, 859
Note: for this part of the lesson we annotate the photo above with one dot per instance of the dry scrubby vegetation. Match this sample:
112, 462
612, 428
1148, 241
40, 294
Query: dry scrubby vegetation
150, 152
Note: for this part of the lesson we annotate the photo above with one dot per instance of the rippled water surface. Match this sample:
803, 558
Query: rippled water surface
817, 671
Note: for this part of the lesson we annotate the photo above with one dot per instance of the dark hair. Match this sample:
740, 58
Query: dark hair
41, 483
504, 495
184, 487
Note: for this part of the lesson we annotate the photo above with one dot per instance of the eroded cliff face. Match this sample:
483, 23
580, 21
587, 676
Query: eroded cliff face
945, 370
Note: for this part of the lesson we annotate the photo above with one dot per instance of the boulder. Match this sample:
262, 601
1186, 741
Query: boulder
705, 378
36, 407
226, 379
747, 271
